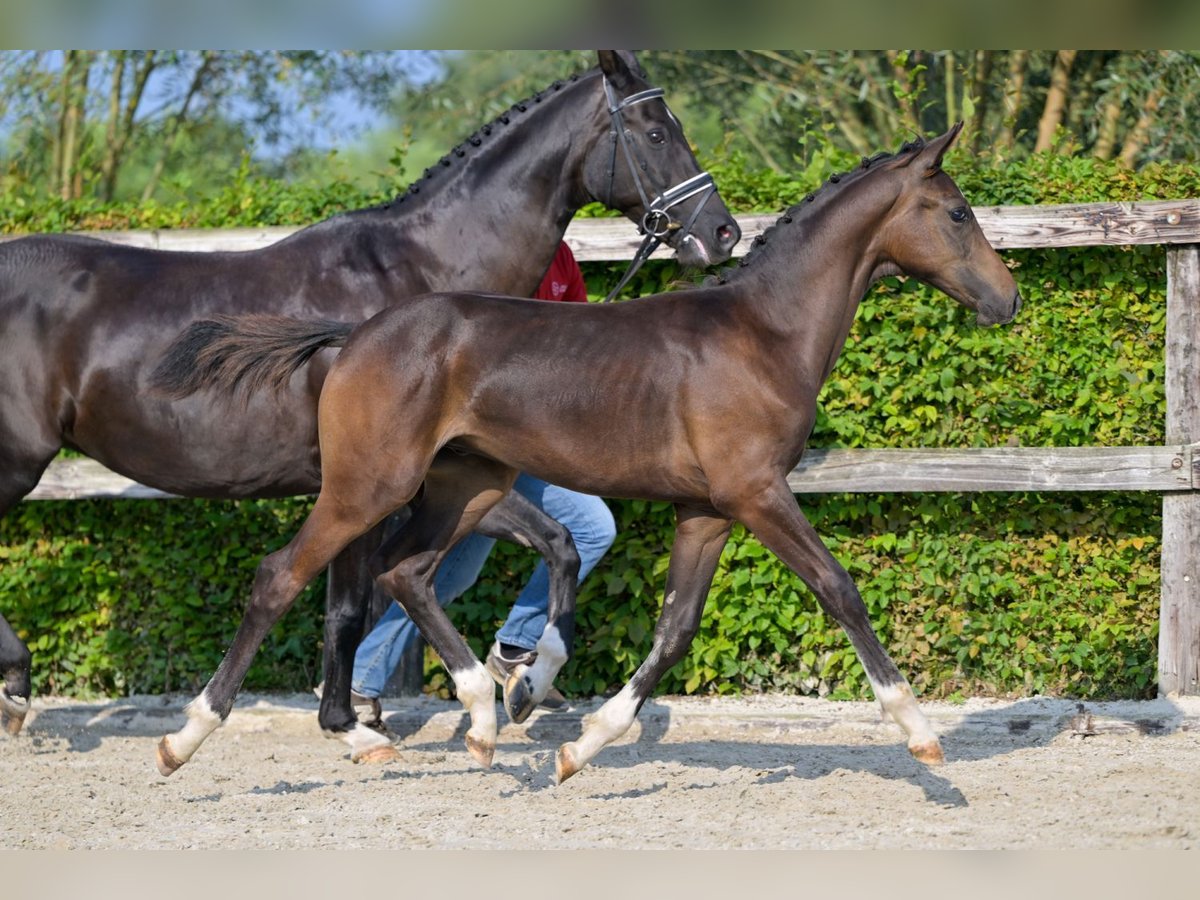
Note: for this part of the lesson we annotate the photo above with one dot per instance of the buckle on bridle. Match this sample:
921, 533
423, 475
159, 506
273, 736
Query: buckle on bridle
657, 222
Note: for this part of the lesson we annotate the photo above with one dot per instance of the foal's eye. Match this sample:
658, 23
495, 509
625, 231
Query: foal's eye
959, 214
657, 135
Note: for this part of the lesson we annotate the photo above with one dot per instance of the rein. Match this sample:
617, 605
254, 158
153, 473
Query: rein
657, 222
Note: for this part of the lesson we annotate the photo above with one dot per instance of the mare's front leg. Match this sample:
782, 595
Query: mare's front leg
458, 492
24, 456
15, 666
700, 535
518, 520
775, 518
348, 596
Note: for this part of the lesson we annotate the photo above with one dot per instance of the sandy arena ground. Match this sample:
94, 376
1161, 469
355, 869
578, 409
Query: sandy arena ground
759, 772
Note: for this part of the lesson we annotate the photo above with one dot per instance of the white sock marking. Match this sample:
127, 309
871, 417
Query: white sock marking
202, 722
608, 723
898, 702
477, 692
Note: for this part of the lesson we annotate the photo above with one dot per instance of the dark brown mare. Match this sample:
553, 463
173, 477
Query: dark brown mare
82, 322
702, 397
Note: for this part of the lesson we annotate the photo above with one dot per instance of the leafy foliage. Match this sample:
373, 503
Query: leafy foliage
980, 593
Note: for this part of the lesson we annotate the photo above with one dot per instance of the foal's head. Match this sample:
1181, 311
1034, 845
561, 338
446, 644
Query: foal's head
647, 169
931, 234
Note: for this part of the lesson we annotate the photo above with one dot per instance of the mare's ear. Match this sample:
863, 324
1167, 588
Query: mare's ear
620, 67
930, 158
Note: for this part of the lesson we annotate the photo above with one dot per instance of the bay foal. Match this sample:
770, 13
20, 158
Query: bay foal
703, 398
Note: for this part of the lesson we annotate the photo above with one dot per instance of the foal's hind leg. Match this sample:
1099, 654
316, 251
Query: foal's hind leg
458, 492
700, 535
518, 520
776, 520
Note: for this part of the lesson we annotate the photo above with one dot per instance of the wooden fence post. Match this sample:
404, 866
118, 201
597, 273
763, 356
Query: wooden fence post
1179, 617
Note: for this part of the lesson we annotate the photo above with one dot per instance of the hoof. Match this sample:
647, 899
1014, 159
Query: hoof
168, 762
12, 712
518, 699
565, 764
482, 752
385, 753
930, 753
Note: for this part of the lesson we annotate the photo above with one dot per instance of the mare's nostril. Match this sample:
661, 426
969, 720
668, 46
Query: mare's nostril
728, 235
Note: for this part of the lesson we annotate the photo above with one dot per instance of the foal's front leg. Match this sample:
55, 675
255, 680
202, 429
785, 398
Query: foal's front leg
776, 520
700, 535
518, 520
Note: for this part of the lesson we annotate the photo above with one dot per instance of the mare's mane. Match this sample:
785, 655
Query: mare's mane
464, 148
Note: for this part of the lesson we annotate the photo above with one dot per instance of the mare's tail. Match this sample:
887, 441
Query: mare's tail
240, 355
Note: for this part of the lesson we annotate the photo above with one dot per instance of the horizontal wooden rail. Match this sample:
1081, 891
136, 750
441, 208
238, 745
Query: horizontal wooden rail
616, 240
1160, 469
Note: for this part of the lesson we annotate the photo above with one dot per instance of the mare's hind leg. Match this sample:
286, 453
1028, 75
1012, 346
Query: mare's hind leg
458, 492
337, 518
23, 459
700, 535
347, 598
776, 520
518, 520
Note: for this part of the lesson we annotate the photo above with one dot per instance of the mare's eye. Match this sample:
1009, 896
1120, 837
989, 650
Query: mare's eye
657, 136
960, 214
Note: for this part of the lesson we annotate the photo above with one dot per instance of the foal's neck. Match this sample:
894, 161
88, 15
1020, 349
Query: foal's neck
814, 268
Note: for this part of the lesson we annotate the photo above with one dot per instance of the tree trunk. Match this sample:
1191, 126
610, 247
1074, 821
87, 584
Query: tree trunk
73, 125
1141, 131
951, 99
108, 165
1056, 100
121, 118
176, 123
1110, 117
980, 94
1014, 87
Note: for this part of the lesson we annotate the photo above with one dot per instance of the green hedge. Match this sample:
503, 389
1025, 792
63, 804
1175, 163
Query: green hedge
998, 594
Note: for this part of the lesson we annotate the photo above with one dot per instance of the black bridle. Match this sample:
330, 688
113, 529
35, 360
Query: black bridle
657, 222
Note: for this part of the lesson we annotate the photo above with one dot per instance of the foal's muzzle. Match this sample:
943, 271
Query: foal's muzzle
991, 318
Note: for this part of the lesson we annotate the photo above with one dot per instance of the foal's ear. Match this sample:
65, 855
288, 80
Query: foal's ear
621, 67
930, 157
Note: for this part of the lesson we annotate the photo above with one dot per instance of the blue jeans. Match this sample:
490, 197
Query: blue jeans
593, 530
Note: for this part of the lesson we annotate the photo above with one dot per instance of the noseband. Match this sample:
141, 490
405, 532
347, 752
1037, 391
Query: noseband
657, 222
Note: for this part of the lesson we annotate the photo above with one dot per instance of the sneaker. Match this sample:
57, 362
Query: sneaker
500, 667
360, 703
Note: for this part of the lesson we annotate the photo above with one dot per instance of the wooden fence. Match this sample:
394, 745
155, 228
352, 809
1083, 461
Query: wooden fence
1172, 470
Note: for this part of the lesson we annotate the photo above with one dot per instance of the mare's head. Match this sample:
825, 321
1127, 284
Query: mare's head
931, 234
644, 167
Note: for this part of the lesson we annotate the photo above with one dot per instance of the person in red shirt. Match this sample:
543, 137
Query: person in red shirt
563, 280
586, 517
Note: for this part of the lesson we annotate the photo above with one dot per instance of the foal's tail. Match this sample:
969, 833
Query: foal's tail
241, 355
